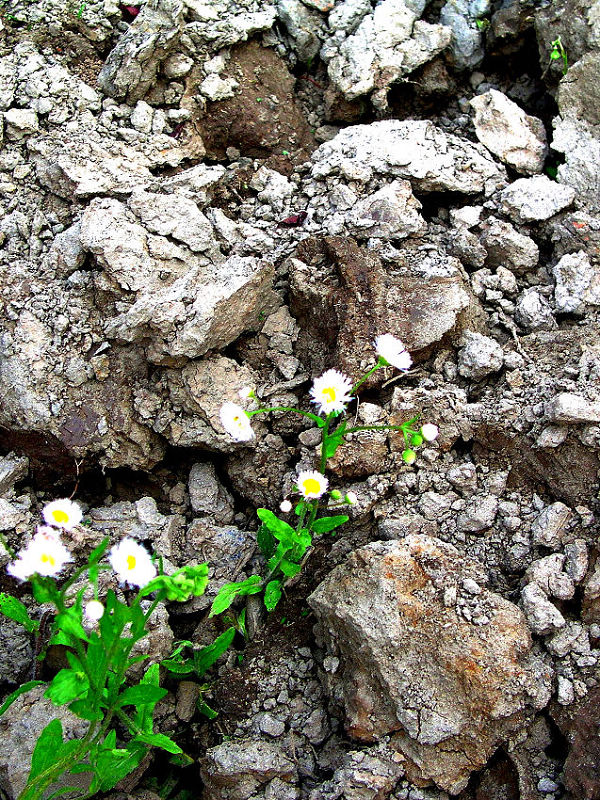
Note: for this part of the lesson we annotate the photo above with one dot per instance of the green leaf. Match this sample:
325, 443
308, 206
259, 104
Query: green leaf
230, 591
205, 709
47, 748
178, 667
159, 740
65, 790
66, 685
280, 529
331, 445
288, 568
144, 712
266, 541
98, 552
114, 765
141, 694
206, 656
44, 589
272, 594
26, 687
86, 710
69, 622
15, 609
326, 524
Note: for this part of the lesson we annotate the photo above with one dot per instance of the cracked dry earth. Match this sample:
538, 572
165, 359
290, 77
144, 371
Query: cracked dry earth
202, 196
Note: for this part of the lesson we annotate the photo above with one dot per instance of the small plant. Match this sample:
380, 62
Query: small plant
285, 546
99, 636
557, 51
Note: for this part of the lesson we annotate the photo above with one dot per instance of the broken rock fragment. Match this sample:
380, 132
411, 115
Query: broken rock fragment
448, 690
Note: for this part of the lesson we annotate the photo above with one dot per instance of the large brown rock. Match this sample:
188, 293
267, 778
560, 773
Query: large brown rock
429, 655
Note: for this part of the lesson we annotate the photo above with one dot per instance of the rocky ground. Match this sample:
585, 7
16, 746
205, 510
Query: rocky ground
202, 196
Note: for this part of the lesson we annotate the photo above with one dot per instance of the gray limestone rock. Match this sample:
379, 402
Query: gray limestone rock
507, 247
533, 311
415, 150
405, 657
13, 468
305, 28
467, 39
518, 139
580, 143
16, 653
390, 213
542, 615
479, 356
537, 198
236, 770
569, 408
208, 496
577, 283
479, 515
550, 526
389, 42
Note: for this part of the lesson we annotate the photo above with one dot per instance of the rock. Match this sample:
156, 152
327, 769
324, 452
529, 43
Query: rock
389, 42
188, 693
461, 17
415, 150
590, 612
20, 728
13, 468
581, 146
341, 294
550, 526
224, 548
573, 638
479, 515
303, 27
533, 311
568, 408
507, 247
518, 139
579, 724
537, 198
403, 670
479, 356
131, 67
208, 496
157, 645
577, 283
16, 653
236, 769
173, 215
576, 560
20, 122
543, 617
390, 213
370, 774
464, 478
542, 570
10, 515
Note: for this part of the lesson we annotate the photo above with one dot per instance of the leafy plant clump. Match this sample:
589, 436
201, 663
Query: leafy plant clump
98, 637
285, 546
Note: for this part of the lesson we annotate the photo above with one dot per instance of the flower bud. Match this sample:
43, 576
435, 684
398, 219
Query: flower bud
430, 432
416, 440
409, 456
285, 506
94, 610
351, 498
335, 494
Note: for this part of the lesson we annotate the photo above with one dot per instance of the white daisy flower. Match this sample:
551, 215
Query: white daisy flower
351, 498
429, 432
94, 610
311, 484
62, 514
236, 422
285, 506
45, 555
392, 351
331, 392
132, 563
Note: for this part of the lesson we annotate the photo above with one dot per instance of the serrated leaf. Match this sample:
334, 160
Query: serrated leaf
326, 524
272, 594
14, 609
114, 765
266, 541
206, 656
280, 529
66, 685
141, 694
26, 687
159, 740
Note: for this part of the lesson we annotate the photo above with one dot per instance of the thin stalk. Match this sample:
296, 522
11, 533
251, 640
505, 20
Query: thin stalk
308, 414
367, 375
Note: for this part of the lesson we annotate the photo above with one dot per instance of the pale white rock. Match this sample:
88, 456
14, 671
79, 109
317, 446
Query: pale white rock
20, 122
217, 88
533, 199
177, 65
390, 213
507, 247
467, 216
577, 283
580, 143
461, 17
479, 515
173, 215
304, 26
550, 526
533, 311
517, 138
565, 691
415, 150
542, 570
568, 408
543, 617
576, 559
479, 356
141, 117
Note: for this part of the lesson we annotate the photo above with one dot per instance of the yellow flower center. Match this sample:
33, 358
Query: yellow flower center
46, 558
329, 394
312, 486
130, 562
59, 515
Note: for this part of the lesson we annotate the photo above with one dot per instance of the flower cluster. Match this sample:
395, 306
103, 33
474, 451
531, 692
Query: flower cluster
46, 555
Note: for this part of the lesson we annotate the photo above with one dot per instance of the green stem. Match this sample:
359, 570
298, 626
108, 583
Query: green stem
380, 363
308, 414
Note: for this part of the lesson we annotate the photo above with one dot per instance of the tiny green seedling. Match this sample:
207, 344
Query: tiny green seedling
557, 51
482, 24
